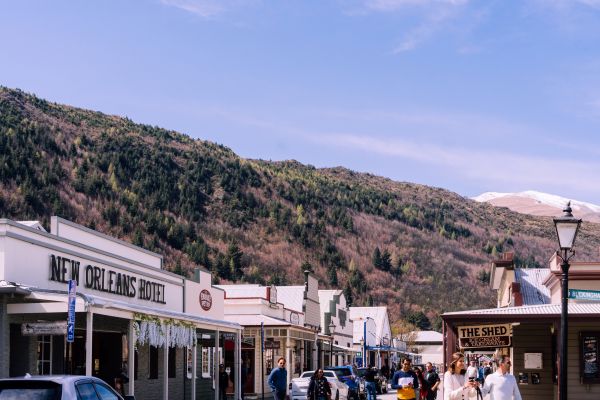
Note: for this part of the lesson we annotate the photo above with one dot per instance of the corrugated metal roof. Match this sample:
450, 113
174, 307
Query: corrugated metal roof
427, 336
532, 288
544, 309
243, 291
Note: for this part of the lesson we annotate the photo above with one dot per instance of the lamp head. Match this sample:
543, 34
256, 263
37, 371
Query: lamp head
567, 227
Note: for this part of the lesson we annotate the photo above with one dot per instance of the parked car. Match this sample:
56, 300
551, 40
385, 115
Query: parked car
55, 387
299, 386
348, 375
380, 381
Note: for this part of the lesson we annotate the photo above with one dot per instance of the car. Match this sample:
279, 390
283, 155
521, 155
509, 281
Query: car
58, 387
380, 381
349, 375
299, 386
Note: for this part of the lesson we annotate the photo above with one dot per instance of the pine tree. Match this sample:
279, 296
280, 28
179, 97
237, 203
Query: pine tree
377, 258
386, 261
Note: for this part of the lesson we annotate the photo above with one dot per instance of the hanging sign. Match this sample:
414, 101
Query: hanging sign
71, 314
44, 328
482, 336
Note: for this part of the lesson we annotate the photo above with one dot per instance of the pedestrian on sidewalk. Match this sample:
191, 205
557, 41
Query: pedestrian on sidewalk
456, 385
405, 381
502, 385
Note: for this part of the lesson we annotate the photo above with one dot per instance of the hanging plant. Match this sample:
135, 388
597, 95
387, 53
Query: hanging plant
153, 331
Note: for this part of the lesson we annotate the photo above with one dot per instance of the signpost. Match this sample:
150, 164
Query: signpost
71, 315
577, 294
484, 336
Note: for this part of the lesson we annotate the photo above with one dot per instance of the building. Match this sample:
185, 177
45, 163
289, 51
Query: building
426, 346
526, 326
129, 318
371, 335
336, 314
286, 319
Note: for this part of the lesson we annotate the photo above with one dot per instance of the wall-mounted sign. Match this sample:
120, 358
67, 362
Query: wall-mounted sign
44, 328
294, 318
592, 295
533, 360
273, 294
205, 300
272, 344
63, 269
589, 343
482, 336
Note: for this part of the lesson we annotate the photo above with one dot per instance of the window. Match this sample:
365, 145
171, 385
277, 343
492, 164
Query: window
153, 361
207, 362
86, 391
173, 362
105, 392
44, 355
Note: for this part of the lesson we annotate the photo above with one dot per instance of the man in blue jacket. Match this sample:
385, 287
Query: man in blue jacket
405, 380
278, 380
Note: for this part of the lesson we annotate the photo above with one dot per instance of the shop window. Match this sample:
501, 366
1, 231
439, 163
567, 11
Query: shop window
207, 356
153, 363
172, 362
44, 355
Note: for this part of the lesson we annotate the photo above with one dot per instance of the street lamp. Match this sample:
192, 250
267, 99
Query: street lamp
567, 227
331, 332
362, 348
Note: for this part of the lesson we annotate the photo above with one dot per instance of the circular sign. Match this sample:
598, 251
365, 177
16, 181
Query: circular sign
294, 318
205, 300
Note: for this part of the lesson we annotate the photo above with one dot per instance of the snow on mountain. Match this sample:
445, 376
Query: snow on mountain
538, 203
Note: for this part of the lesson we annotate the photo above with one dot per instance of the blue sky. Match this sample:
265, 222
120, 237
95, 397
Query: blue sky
471, 96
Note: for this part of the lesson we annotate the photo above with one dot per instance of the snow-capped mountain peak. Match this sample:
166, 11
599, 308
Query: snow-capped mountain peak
538, 203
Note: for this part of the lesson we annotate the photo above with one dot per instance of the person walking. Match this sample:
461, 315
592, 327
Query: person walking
456, 386
502, 385
223, 382
278, 380
423, 387
370, 386
472, 370
433, 381
405, 381
318, 388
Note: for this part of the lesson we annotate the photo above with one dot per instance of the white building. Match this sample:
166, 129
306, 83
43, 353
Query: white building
334, 310
372, 335
126, 314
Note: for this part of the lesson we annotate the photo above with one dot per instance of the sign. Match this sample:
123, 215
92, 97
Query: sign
44, 328
71, 313
576, 294
271, 344
533, 360
105, 280
482, 336
205, 300
273, 294
294, 318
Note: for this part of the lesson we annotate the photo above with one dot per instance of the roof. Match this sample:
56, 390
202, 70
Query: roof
378, 314
243, 291
255, 320
533, 290
427, 336
544, 309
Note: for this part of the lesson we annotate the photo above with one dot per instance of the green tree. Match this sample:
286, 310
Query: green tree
386, 261
377, 258
234, 255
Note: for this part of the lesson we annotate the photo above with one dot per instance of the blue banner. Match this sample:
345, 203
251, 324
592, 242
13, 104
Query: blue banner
71, 315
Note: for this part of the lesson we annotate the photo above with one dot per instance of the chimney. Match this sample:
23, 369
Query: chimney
517, 296
508, 256
197, 275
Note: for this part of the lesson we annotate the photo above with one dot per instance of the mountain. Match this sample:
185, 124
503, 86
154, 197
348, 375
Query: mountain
538, 203
420, 250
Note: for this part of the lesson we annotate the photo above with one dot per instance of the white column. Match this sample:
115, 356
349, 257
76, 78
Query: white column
215, 366
131, 358
238, 366
166, 366
89, 328
194, 369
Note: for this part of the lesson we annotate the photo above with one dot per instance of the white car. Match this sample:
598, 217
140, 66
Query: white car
299, 386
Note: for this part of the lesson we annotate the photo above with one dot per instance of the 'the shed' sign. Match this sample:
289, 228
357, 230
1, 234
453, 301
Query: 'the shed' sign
480, 336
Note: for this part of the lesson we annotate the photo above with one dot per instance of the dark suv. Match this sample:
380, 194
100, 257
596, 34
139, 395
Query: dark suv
349, 375
380, 381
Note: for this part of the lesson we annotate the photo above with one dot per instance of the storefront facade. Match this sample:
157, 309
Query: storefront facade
334, 309
526, 327
142, 329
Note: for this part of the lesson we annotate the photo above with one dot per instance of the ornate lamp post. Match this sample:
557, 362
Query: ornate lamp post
331, 332
362, 348
567, 227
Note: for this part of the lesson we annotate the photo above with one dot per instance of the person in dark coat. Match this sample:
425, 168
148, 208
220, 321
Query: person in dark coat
223, 382
318, 388
278, 380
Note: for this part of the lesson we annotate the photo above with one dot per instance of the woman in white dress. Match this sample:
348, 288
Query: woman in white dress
456, 385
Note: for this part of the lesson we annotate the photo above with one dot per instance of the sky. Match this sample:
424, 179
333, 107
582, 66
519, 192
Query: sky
470, 96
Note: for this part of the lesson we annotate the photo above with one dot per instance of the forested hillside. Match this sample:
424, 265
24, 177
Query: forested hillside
420, 250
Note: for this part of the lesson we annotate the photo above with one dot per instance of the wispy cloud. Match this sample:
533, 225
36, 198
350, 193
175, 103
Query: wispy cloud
479, 164
207, 8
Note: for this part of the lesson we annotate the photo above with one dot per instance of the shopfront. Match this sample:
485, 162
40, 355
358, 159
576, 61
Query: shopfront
142, 329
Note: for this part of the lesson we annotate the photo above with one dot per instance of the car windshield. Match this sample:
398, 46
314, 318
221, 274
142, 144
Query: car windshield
361, 372
329, 374
308, 374
31, 390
